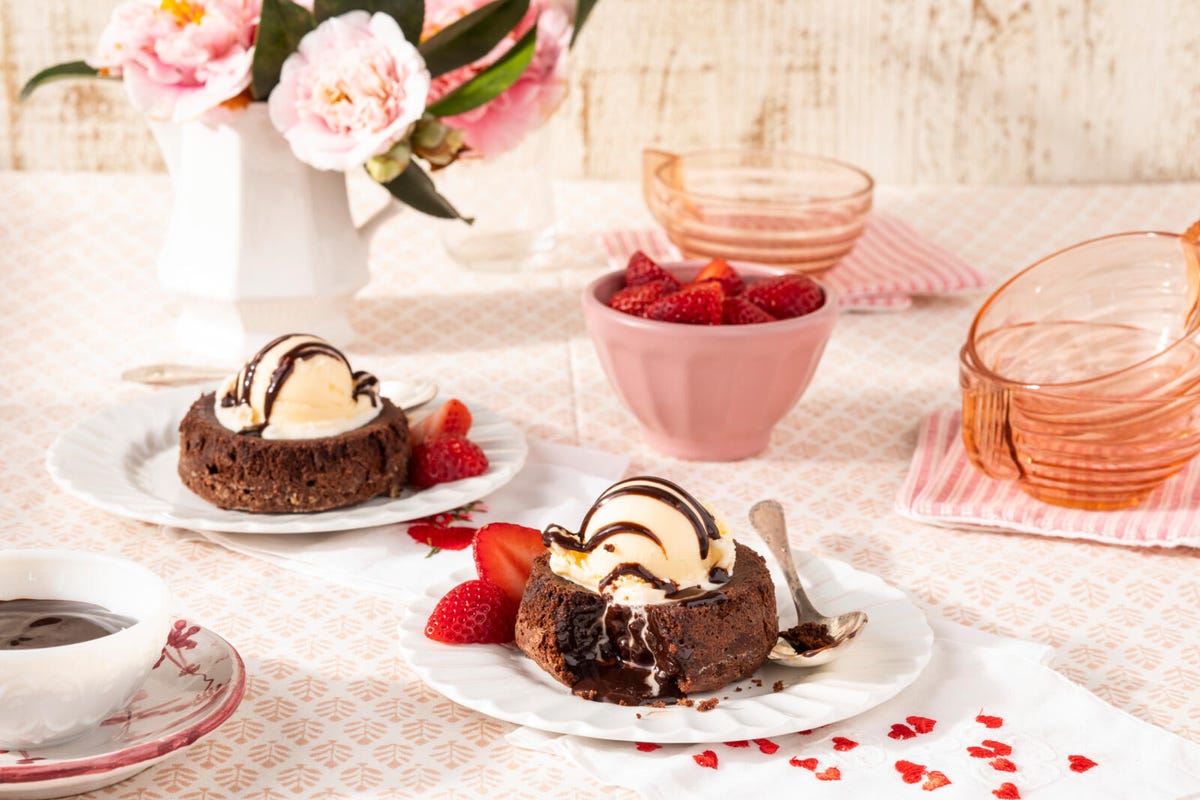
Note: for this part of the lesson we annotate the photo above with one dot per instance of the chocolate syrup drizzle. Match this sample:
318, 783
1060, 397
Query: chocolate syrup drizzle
659, 489
364, 382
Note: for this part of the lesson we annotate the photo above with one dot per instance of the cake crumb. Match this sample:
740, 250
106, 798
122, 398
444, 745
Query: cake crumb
686, 701
737, 688
708, 705
638, 715
778, 687
757, 682
808, 637
659, 704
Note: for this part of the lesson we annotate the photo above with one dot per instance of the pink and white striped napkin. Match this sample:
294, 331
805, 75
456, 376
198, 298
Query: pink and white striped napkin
889, 264
943, 488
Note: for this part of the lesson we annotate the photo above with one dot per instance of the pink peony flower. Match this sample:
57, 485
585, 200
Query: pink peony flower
180, 59
350, 91
502, 123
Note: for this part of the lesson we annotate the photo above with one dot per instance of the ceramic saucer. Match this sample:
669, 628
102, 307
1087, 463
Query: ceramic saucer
194, 687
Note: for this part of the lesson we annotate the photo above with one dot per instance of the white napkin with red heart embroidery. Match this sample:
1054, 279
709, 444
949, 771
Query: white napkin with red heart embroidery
987, 718
557, 482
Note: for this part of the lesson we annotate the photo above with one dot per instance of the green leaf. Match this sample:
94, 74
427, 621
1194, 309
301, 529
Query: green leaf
72, 69
281, 26
414, 187
472, 37
410, 14
582, 9
491, 82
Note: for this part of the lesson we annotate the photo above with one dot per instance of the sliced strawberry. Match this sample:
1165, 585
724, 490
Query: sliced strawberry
786, 296
719, 270
643, 269
445, 458
475, 612
698, 304
636, 299
452, 418
740, 311
504, 555
440, 538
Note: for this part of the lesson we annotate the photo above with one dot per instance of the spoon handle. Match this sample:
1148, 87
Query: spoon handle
173, 374
767, 518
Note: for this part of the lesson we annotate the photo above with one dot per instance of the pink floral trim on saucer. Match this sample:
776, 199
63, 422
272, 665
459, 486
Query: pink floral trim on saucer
195, 686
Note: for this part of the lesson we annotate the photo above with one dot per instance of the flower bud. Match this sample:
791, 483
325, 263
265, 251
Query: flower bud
436, 142
385, 167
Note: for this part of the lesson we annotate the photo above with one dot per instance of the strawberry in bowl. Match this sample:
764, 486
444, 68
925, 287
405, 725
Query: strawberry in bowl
708, 356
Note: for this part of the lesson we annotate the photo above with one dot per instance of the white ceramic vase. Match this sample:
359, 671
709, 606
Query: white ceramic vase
259, 243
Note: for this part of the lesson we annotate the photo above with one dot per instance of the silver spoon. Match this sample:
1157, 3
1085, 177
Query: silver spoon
408, 395
767, 518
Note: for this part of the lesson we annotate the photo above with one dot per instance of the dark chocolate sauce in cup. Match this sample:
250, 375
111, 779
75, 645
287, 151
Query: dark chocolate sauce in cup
29, 624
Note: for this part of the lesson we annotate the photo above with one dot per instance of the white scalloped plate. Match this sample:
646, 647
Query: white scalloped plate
888, 655
123, 460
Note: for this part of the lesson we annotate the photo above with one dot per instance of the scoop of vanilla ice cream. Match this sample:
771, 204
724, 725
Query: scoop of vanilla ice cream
643, 540
297, 387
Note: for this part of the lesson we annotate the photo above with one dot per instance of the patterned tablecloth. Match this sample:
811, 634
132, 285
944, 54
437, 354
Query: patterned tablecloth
331, 710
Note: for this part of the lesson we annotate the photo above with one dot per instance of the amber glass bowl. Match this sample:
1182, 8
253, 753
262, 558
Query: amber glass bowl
792, 210
1081, 375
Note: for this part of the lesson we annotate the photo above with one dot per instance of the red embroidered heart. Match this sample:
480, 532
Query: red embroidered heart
803, 763
936, 780
443, 538
989, 722
803, 733
1007, 792
766, 746
831, 774
1002, 764
901, 732
981, 752
1081, 763
921, 724
706, 759
738, 743
648, 747
842, 744
1000, 748
910, 772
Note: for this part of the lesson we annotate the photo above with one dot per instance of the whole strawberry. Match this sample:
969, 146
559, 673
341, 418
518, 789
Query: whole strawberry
444, 458
643, 269
474, 612
695, 304
786, 296
636, 299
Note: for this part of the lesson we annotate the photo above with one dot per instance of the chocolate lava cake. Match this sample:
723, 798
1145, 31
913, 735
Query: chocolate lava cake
245, 472
695, 644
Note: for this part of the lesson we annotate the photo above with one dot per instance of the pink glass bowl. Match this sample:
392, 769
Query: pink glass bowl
797, 211
706, 393
1081, 375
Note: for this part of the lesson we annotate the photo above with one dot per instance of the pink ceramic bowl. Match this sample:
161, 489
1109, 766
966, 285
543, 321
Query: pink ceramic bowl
707, 393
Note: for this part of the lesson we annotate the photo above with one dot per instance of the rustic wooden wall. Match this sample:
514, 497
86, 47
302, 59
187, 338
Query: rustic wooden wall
916, 91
